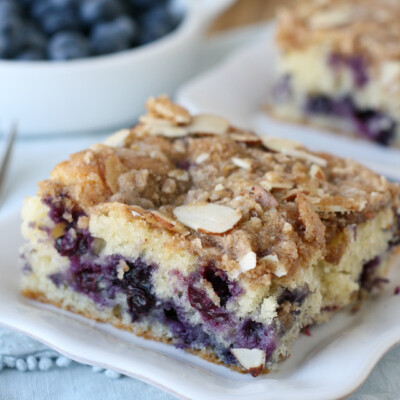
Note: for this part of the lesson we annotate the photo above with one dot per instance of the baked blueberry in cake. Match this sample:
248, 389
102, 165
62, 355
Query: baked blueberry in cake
190, 231
339, 67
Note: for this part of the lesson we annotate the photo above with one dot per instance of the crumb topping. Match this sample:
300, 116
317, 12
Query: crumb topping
258, 208
363, 27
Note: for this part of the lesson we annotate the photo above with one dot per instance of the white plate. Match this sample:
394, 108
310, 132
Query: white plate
330, 364
239, 89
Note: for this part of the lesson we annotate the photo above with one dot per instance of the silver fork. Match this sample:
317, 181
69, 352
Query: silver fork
5, 162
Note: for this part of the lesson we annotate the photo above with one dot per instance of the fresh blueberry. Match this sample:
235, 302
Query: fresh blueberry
146, 4
59, 15
35, 39
38, 8
93, 11
67, 46
31, 55
8, 8
57, 20
12, 36
113, 36
155, 23
25, 3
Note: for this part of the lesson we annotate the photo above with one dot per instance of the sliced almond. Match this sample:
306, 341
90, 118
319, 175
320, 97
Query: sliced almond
305, 156
163, 107
248, 138
150, 120
179, 175
252, 360
158, 219
279, 144
264, 197
314, 228
241, 163
339, 204
316, 172
280, 269
208, 124
208, 218
269, 185
118, 138
248, 262
167, 131
292, 149
202, 157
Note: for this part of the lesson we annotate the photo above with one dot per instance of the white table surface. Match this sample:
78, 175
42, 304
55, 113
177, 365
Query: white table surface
32, 161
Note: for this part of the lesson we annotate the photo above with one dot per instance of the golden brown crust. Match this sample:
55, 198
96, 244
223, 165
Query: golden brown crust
292, 202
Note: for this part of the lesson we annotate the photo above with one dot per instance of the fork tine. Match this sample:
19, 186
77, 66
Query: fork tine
7, 155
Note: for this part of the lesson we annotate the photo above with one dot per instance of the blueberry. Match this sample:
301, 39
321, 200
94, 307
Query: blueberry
155, 23
252, 335
87, 281
375, 125
293, 296
35, 39
8, 9
356, 64
368, 273
68, 45
59, 15
38, 8
110, 37
343, 107
199, 300
57, 20
140, 301
25, 3
12, 36
146, 4
319, 104
249, 334
359, 69
92, 11
31, 55
219, 283
73, 243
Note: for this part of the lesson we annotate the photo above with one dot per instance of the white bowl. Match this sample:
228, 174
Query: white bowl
106, 92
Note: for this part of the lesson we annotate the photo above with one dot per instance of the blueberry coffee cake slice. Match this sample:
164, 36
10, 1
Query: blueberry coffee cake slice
188, 230
339, 67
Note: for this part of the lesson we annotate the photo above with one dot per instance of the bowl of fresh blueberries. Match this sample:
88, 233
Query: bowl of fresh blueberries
71, 66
